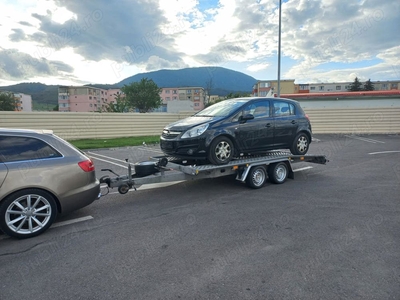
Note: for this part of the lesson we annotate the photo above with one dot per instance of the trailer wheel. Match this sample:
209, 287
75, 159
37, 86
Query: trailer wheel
256, 177
123, 188
278, 172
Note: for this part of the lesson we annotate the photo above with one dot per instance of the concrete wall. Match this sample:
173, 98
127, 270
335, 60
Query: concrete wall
107, 125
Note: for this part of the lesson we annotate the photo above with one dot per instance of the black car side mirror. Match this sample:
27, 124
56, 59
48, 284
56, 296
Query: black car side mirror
243, 119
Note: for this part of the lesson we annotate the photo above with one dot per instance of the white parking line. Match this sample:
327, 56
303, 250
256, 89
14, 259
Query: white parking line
91, 153
384, 152
110, 162
73, 221
364, 139
152, 150
302, 169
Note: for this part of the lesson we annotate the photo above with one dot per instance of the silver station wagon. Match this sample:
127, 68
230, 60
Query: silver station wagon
41, 176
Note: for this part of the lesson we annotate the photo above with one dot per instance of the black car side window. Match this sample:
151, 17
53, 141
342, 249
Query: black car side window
18, 148
282, 109
258, 110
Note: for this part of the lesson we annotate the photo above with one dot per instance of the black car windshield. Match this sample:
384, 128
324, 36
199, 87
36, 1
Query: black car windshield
221, 109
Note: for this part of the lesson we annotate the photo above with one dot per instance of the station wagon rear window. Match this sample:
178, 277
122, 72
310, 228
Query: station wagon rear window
18, 148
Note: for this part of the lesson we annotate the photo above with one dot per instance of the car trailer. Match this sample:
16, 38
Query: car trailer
254, 170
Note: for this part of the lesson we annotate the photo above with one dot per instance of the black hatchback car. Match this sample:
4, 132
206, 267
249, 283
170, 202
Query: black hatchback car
237, 127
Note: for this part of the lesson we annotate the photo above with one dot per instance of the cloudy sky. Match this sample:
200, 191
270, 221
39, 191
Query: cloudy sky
78, 42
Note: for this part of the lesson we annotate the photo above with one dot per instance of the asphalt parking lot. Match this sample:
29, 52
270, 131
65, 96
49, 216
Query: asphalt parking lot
331, 233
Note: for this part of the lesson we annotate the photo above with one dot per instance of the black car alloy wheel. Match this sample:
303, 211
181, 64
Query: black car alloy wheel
221, 150
300, 144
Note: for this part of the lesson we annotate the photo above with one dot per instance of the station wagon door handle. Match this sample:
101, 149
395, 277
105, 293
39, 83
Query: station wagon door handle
293, 122
268, 125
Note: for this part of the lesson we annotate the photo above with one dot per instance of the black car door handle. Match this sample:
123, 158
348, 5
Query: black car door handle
293, 122
268, 125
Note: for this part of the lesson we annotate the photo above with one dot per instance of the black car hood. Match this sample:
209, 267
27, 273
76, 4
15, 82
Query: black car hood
190, 122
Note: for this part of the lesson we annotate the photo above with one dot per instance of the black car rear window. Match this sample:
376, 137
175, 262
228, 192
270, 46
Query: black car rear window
18, 148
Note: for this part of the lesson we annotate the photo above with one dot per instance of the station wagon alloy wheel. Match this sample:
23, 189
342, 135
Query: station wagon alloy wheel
27, 213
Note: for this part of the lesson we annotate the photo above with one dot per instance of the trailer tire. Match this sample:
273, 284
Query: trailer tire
278, 172
256, 177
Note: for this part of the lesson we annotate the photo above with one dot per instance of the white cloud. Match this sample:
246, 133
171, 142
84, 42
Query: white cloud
103, 43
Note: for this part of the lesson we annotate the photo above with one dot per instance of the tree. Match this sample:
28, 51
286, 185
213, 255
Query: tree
7, 102
120, 105
355, 86
236, 95
143, 95
368, 86
208, 88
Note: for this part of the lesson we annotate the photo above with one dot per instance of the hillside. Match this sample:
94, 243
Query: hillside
43, 96
224, 81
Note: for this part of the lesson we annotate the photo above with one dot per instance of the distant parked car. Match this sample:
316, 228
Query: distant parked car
41, 175
236, 127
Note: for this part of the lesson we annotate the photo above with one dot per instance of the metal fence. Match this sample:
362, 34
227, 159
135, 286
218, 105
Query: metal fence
73, 126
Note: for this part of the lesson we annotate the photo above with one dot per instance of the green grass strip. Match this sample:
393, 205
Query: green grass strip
114, 142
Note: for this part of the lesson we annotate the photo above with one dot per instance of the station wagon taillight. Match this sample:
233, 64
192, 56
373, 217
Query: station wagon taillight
86, 165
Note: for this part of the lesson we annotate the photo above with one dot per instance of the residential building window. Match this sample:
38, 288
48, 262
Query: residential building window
312, 88
321, 88
188, 97
197, 91
347, 87
188, 91
167, 91
174, 92
338, 87
89, 104
197, 104
173, 98
90, 97
167, 98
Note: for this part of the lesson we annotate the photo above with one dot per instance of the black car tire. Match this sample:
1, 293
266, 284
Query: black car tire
256, 177
278, 172
300, 144
40, 213
221, 150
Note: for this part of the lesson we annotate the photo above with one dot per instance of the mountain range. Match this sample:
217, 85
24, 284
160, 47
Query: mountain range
221, 80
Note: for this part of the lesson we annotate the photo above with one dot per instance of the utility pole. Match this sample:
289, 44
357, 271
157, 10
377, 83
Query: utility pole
279, 49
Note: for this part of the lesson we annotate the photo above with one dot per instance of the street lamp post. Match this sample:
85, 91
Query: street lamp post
279, 48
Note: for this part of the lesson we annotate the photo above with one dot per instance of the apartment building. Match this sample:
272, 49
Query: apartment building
23, 102
264, 88
83, 98
196, 96
337, 87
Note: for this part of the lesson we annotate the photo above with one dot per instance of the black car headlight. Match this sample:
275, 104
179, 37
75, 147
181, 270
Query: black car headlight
195, 131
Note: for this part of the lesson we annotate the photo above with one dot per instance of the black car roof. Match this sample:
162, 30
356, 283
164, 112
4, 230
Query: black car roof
247, 99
